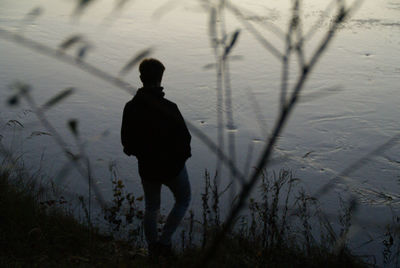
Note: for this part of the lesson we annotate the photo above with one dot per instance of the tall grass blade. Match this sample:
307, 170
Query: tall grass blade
212, 27
83, 51
13, 100
58, 98
14, 122
120, 3
81, 6
30, 17
231, 44
135, 60
34, 13
69, 42
73, 126
164, 9
39, 133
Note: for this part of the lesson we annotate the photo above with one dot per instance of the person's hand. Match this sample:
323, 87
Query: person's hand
126, 151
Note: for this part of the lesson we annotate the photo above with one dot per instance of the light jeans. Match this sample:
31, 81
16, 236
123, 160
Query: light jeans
180, 187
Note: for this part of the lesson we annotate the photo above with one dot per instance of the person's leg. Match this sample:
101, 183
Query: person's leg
152, 192
180, 187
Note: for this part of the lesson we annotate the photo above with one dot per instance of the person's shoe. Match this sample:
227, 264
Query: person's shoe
165, 250
160, 250
153, 250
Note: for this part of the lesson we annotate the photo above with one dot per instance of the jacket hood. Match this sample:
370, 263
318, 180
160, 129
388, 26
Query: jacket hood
151, 91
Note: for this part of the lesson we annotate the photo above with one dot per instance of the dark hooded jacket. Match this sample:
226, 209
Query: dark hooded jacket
154, 131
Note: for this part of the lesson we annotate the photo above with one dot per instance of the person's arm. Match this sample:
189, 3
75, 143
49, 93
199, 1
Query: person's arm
127, 137
184, 135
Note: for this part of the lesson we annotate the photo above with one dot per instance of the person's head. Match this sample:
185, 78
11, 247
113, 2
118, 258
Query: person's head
151, 72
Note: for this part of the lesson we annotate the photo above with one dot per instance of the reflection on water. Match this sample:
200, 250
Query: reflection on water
327, 132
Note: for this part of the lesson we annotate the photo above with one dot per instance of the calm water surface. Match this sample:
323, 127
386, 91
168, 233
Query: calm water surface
322, 138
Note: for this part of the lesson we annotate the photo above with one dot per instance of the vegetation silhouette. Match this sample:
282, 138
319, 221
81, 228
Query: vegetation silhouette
294, 40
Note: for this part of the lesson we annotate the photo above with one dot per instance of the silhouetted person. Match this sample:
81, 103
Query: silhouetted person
154, 131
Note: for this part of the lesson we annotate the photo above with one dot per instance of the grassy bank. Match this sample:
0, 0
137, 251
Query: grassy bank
39, 232
35, 231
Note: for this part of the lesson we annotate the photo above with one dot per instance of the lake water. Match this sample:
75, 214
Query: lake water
323, 136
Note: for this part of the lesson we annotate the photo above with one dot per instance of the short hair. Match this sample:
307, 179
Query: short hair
151, 70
